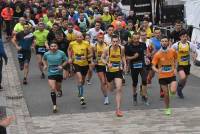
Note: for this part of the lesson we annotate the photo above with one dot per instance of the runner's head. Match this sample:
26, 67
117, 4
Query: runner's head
70, 27
157, 33
115, 40
55, 27
130, 25
164, 42
143, 35
118, 25
81, 16
110, 30
97, 25
135, 38
41, 26
53, 47
27, 28
178, 25
22, 20
79, 37
100, 38
59, 36
146, 23
183, 36
87, 37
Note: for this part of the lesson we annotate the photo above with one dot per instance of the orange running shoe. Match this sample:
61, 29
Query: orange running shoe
119, 113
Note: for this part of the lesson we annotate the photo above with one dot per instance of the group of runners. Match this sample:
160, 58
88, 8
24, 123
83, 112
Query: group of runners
76, 41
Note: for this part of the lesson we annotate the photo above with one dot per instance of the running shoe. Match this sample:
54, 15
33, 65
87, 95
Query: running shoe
82, 101
25, 81
55, 109
106, 101
119, 113
145, 100
180, 93
42, 76
168, 111
135, 99
59, 93
88, 82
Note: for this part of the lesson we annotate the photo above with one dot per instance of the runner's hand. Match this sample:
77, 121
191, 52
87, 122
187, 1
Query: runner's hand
60, 67
19, 48
83, 57
45, 67
109, 65
47, 47
70, 61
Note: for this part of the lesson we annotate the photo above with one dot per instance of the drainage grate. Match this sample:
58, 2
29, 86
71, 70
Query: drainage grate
14, 97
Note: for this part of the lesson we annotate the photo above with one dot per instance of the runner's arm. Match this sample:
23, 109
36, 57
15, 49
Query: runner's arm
90, 54
104, 55
14, 41
155, 62
123, 57
69, 51
44, 61
46, 45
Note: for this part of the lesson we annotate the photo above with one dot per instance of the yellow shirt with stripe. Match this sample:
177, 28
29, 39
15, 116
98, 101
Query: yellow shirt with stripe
78, 50
98, 52
183, 54
114, 58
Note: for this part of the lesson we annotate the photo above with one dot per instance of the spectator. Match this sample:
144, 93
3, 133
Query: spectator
7, 15
175, 33
2, 56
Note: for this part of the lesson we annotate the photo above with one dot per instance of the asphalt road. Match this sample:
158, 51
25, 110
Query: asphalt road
37, 95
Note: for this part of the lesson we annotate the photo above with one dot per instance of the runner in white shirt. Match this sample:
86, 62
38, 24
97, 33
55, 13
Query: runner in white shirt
107, 37
93, 32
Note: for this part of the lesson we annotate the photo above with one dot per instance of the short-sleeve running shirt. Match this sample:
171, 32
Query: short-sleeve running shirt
54, 59
166, 61
78, 50
41, 37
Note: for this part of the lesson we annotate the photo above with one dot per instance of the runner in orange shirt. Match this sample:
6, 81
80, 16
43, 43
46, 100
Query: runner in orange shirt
164, 63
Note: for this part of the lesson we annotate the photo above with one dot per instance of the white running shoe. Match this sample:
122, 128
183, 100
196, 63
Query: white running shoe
106, 101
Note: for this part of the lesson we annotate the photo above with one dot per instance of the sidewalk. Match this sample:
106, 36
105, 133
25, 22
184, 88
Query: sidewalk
12, 98
183, 120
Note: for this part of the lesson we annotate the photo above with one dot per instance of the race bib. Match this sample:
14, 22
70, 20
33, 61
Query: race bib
137, 65
20, 56
78, 57
41, 50
115, 64
185, 58
166, 68
54, 69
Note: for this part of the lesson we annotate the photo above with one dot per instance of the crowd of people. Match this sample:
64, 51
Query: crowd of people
74, 37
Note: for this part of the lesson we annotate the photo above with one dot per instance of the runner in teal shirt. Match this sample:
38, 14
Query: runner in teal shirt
54, 60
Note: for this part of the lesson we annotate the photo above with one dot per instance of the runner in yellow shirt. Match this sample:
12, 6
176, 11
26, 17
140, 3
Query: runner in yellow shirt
79, 52
114, 58
100, 66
